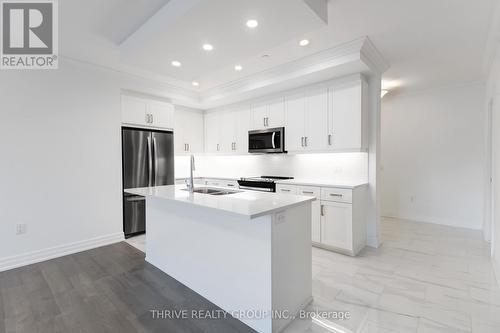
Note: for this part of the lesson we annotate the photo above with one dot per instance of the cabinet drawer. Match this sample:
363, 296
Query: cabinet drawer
309, 191
336, 194
222, 183
215, 182
230, 183
286, 189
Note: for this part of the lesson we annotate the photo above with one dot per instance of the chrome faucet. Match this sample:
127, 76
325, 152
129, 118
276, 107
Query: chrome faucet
190, 184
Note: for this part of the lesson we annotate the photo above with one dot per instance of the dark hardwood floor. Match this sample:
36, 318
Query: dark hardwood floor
108, 289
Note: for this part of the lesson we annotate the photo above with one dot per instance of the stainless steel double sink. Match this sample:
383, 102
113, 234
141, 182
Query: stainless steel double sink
212, 190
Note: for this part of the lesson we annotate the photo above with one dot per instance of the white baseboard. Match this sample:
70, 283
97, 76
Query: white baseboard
496, 268
373, 242
432, 220
58, 251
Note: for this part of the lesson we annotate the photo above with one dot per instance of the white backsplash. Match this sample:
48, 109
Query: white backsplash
342, 167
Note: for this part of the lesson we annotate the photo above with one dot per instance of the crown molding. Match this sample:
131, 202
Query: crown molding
357, 56
373, 58
143, 82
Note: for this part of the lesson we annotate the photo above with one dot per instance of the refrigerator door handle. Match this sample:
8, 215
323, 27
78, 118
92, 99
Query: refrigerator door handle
150, 162
155, 149
136, 198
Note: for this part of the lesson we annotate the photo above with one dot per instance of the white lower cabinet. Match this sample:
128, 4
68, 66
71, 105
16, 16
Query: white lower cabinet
315, 192
316, 222
338, 220
336, 225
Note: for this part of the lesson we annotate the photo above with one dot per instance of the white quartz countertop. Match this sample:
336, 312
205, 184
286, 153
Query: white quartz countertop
302, 181
251, 204
322, 183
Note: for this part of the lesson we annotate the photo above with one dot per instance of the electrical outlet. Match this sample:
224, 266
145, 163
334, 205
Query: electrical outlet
21, 229
280, 218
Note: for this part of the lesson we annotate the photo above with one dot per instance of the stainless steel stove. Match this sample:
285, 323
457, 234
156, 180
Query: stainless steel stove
262, 183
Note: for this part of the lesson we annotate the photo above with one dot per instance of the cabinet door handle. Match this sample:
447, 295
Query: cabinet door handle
322, 210
264, 121
217, 147
302, 141
187, 145
152, 118
308, 192
230, 185
336, 195
147, 118
285, 190
305, 141
329, 139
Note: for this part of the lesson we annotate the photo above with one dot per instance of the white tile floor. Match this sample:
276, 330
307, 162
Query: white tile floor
425, 278
139, 242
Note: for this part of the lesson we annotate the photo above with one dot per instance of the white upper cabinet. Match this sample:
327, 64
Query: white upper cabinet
162, 114
146, 112
259, 115
134, 111
276, 114
268, 114
242, 126
347, 116
307, 120
212, 132
227, 131
295, 117
327, 117
316, 122
188, 132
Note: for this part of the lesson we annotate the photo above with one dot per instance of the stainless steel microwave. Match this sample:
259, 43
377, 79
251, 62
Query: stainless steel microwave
270, 140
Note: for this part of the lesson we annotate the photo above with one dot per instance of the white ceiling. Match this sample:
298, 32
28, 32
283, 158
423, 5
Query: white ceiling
427, 42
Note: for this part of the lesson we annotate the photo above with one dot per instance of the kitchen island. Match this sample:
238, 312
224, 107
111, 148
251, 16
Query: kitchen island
247, 252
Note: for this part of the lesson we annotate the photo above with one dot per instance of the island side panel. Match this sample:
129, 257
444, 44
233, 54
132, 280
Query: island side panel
224, 257
291, 262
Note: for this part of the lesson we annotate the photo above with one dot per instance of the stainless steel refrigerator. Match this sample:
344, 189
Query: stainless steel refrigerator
147, 160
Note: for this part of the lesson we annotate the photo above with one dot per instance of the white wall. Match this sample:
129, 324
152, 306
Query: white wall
496, 180
60, 170
433, 156
493, 94
342, 167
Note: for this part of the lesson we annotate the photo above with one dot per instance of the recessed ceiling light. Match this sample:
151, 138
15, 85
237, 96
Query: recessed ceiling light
176, 63
238, 68
304, 42
196, 83
252, 24
208, 47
